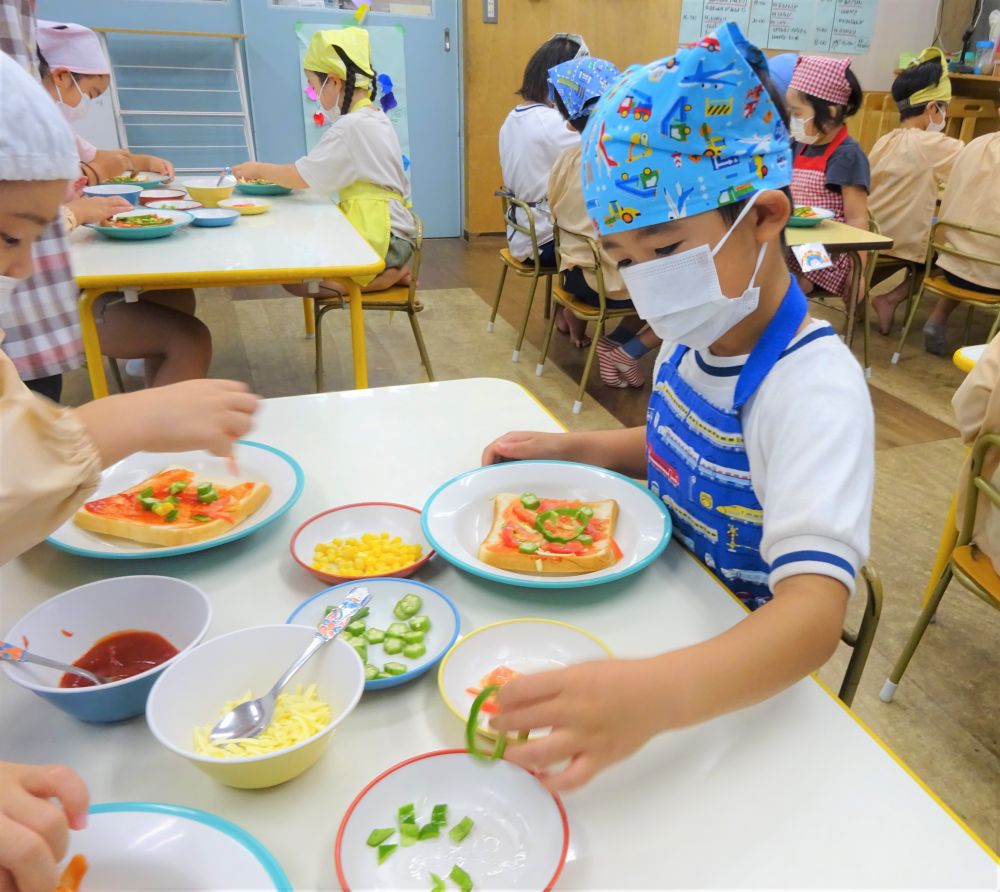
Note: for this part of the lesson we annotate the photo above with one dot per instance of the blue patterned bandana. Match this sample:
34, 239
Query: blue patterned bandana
579, 82
683, 135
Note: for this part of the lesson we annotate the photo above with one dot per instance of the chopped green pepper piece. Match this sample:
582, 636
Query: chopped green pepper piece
382, 675
407, 814
174, 500
171, 516
397, 630
414, 651
148, 502
407, 606
528, 547
461, 879
356, 627
413, 637
201, 518
374, 636
146, 493
439, 814
530, 501
420, 623
361, 614
393, 646
439, 885
408, 834
585, 512
430, 831
461, 829
177, 487
384, 852
394, 668
371, 672
585, 539
379, 836
206, 492
360, 648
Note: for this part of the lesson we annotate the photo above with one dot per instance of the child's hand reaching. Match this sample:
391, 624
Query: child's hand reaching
94, 210
34, 830
599, 713
248, 170
523, 445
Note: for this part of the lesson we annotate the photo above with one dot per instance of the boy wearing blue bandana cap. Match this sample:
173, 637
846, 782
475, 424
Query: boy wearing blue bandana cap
759, 434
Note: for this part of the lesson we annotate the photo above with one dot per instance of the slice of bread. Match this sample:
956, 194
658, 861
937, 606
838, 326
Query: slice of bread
603, 553
123, 516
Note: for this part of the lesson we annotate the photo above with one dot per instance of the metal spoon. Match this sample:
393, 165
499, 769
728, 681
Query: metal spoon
226, 172
14, 654
250, 718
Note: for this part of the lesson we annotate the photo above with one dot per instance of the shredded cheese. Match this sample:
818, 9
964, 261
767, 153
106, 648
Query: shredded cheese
297, 716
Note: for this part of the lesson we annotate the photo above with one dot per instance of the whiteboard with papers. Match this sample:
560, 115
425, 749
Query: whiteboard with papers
808, 26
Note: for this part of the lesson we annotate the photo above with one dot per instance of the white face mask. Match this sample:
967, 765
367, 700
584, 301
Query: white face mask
331, 113
7, 286
797, 128
680, 296
937, 126
75, 112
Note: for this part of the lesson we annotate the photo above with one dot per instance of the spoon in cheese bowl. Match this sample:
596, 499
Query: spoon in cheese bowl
250, 718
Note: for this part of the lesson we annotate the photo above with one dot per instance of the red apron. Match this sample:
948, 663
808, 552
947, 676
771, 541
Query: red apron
809, 188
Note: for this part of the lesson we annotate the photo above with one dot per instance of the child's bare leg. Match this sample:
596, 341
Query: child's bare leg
936, 326
885, 304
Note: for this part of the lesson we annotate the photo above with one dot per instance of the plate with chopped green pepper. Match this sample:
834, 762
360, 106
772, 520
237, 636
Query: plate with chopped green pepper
447, 821
405, 630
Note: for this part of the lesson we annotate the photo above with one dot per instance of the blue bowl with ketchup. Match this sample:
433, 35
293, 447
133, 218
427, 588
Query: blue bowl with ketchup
129, 628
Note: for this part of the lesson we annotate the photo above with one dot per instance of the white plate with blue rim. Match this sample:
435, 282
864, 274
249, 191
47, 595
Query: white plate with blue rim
256, 462
458, 516
386, 591
162, 848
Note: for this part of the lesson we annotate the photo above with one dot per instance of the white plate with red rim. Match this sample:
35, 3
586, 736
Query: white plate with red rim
519, 838
459, 515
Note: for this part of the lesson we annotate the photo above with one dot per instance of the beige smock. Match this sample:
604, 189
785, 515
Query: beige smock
569, 212
909, 167
977, 410
973, 198
48, 464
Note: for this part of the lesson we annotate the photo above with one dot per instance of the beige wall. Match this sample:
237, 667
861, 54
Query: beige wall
626, 31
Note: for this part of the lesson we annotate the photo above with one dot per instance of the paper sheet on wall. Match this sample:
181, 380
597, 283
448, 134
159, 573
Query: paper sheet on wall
389, 59
809, 26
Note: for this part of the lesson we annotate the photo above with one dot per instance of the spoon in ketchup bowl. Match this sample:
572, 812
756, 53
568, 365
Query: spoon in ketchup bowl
14, 654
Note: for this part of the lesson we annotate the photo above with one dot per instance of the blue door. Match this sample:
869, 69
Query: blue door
432, 76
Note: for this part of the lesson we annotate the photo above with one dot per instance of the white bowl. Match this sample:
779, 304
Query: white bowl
519, 839
65, 627
174, 204
193, 690
524, 645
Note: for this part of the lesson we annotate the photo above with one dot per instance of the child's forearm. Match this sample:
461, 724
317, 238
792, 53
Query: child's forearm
771, 649
286, 175
622, 450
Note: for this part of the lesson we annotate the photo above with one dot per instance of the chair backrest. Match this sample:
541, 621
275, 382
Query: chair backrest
938, 243
860, 642
963, 114
877, 116
595, 266
978, 484
511, 204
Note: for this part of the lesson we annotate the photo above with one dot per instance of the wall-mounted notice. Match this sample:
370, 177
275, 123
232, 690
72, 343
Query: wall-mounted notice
820, 26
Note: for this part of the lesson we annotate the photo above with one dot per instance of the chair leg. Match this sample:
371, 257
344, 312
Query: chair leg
496, 299
929, 609
548, 341
421, 346
994, 326
866, 333
548, 296
320, 312
910, 316
524, 323
116, 373
591, 353
309, 315
862, 642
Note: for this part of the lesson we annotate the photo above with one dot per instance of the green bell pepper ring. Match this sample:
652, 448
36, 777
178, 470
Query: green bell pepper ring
472, 727
553, 515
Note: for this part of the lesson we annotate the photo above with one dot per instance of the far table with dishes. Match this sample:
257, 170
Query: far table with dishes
758, 798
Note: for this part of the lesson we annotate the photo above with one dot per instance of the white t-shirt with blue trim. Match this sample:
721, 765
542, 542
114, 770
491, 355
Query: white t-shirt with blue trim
809, 432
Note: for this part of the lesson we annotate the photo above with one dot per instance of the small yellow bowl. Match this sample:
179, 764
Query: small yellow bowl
205, 190
248, 207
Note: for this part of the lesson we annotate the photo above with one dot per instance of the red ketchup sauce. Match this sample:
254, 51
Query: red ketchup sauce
121, 655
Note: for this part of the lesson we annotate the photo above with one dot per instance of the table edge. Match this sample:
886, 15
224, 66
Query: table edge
216, 278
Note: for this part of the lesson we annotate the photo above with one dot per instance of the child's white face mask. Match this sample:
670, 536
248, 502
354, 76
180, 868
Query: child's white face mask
681, 298
937, 126
331, 113
7, 286
797, 128
75, 112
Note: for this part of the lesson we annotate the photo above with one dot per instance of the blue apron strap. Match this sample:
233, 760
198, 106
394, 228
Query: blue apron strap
777, 336
677, 355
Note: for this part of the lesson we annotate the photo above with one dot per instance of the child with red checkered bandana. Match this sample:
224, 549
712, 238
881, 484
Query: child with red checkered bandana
829, 169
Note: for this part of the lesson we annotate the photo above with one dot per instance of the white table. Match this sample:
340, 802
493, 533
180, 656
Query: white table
302, 239
791, 793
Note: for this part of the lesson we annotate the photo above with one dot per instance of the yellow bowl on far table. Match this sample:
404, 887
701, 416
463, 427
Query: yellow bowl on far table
205, 190
248, 207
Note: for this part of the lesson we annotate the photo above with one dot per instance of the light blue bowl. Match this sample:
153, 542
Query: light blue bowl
106, 190
144, 233
213, 216
262, 189
65, 627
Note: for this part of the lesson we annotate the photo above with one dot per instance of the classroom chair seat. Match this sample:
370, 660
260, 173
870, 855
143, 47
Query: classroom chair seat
528, 269
978, 567
399, 298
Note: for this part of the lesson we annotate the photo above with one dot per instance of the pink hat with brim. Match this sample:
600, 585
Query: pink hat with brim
66, 45
822, 77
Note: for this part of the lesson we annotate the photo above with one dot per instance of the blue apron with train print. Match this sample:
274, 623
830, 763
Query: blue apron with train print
698, 463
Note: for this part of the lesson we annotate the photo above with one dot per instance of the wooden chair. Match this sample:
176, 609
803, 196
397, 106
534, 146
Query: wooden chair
966, 563
528, 269
401, 298
860, 642
936, 282
598, 315
964, 114
877, 116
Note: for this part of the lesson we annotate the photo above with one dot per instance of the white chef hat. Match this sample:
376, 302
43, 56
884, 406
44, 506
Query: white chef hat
35, 140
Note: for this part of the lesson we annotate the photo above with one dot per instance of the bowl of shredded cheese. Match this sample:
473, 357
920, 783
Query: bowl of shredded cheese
209, 680
360, 541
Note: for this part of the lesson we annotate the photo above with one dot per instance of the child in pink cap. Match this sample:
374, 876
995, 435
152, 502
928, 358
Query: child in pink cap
829, 169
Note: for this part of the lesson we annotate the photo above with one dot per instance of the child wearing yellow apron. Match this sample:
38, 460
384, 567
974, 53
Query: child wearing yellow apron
358, 156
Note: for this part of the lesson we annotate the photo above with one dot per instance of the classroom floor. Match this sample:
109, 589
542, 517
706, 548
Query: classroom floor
945, 721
